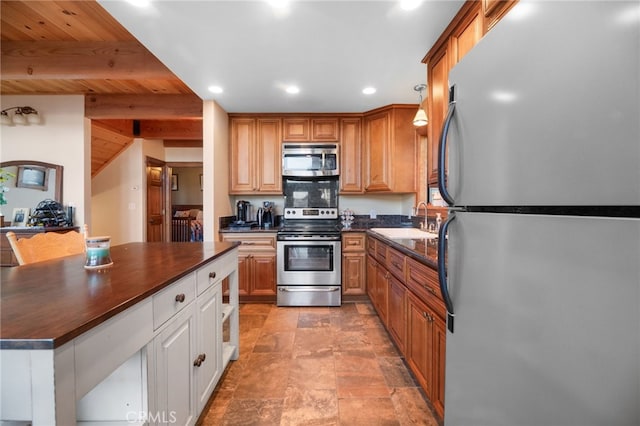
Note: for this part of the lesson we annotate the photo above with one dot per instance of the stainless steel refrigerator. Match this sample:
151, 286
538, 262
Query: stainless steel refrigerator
541, 152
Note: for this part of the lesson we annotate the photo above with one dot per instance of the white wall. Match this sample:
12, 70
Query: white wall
61, 139
119, 198
187, 155
118, 195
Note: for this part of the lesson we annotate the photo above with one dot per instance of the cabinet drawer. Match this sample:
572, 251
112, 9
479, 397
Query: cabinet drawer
381, 252
395, 263
353, 242
249, 242
215, 271
173, 299
423, 281
371, 246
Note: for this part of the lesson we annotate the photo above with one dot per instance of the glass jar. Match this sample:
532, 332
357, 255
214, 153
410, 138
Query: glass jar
98, 253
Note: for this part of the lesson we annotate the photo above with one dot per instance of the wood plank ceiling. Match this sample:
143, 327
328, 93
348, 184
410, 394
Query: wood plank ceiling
76, 47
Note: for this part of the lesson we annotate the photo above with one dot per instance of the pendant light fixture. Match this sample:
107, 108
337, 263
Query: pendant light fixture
420, 118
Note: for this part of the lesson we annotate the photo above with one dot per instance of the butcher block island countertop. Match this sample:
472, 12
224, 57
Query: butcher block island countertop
145, 339
46, 304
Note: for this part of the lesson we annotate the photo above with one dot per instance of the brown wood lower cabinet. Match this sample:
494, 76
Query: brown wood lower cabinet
397, 314
256, 265
257, 274
413, 313
425, 351
354, 264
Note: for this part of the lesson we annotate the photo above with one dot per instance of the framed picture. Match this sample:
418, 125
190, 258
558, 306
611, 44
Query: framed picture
33, 177
200, 182
174, 182
20, 216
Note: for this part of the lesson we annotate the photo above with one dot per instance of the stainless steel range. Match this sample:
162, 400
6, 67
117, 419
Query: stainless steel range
309, 244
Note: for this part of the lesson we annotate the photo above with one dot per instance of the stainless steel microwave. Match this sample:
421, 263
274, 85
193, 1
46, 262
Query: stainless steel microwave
310, 159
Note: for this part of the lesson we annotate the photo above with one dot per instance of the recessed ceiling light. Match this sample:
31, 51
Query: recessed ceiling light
215, 89
369, 90
410, 4
292, 90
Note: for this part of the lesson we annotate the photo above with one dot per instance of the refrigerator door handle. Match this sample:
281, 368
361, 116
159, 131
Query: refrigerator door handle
442, 150
442, 269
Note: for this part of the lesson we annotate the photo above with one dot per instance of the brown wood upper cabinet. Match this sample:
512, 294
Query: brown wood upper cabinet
390, 143
351, 156
494, 10
305, 129
256, 155
473, 20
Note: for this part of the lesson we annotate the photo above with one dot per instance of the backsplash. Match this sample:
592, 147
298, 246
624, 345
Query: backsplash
381, 221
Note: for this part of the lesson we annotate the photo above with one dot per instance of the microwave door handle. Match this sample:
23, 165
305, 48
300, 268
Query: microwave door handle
442, 150
442, 269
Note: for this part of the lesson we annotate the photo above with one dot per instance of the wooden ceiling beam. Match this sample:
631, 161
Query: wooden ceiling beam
175, 133
123, 127
171, 129
80, 60
142, 107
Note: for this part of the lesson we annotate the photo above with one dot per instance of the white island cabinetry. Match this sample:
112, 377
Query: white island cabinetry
155, 362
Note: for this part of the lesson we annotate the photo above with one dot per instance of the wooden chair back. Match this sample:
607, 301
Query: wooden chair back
47, 245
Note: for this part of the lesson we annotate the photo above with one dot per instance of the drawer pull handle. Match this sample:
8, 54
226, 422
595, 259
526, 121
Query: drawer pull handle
397, 265
430, 290
198, 362
180, 297
212, 275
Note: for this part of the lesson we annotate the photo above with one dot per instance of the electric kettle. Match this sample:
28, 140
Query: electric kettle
259, 217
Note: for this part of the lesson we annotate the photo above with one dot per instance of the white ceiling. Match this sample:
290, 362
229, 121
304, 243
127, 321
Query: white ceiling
330, 49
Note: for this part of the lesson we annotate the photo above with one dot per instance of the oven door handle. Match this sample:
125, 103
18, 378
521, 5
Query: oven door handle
307, 289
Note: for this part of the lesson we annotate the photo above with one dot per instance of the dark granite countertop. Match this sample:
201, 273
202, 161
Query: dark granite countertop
424, 251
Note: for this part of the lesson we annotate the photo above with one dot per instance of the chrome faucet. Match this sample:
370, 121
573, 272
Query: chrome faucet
423, 225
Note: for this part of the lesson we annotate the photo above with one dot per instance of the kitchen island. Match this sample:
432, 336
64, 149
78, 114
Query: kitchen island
86, 345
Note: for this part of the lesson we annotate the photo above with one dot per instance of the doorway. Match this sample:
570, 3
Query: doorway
186, 201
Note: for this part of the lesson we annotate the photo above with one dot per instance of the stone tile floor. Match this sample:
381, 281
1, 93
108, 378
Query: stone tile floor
316, 366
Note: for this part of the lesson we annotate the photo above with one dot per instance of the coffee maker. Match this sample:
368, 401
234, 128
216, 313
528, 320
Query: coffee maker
267, 214
242, 211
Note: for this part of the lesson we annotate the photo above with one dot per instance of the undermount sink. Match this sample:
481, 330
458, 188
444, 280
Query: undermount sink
404, 233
